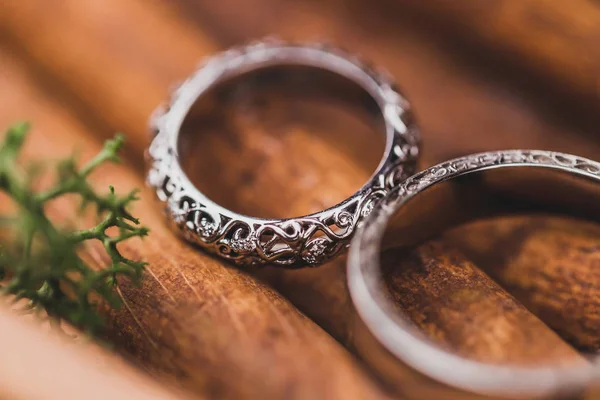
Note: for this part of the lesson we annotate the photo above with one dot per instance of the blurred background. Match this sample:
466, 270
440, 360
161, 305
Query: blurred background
480, 75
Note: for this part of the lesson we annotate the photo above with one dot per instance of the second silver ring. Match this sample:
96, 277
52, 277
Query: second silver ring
443, 196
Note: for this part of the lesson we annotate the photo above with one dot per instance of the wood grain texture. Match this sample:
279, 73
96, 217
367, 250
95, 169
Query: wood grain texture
556, 47
461, 110
99, 66
208, 327
461, 106
565, 292
50, 366
460, 308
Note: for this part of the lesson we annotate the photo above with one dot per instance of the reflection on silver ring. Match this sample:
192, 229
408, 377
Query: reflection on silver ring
450, 193
294, 242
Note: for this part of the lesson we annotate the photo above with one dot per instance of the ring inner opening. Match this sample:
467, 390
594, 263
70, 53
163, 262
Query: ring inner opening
435, 270
282, 141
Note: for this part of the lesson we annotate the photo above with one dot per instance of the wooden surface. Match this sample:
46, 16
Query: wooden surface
51, 366
547, 49
563, 293
445, 295
81, 70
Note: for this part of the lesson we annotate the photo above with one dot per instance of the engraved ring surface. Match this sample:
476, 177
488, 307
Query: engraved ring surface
292, 242
453, 192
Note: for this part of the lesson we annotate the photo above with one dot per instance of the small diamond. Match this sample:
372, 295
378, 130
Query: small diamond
315, 250
206, 228
242, 245
368, 208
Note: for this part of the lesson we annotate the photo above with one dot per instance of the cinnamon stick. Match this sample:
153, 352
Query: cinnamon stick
555, 45
448, 298
47, 366
549, 264
93, 64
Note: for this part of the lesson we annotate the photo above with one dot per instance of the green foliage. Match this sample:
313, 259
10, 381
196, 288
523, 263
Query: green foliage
39, 260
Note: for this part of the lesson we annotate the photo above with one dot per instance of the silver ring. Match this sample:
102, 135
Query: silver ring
440, 197
303, 241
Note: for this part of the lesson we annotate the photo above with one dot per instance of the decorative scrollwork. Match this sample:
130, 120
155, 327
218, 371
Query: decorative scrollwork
452, 168
304, 241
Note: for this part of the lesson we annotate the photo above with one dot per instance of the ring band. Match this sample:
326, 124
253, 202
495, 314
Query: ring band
292, 242
443, 196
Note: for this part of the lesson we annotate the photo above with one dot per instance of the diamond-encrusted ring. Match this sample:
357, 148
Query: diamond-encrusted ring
293, 242
453, 192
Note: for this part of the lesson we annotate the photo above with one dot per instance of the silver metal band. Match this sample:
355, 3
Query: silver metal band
440, 197
304, 241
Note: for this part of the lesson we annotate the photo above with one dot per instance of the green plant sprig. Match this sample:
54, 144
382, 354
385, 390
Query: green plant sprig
39, 261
